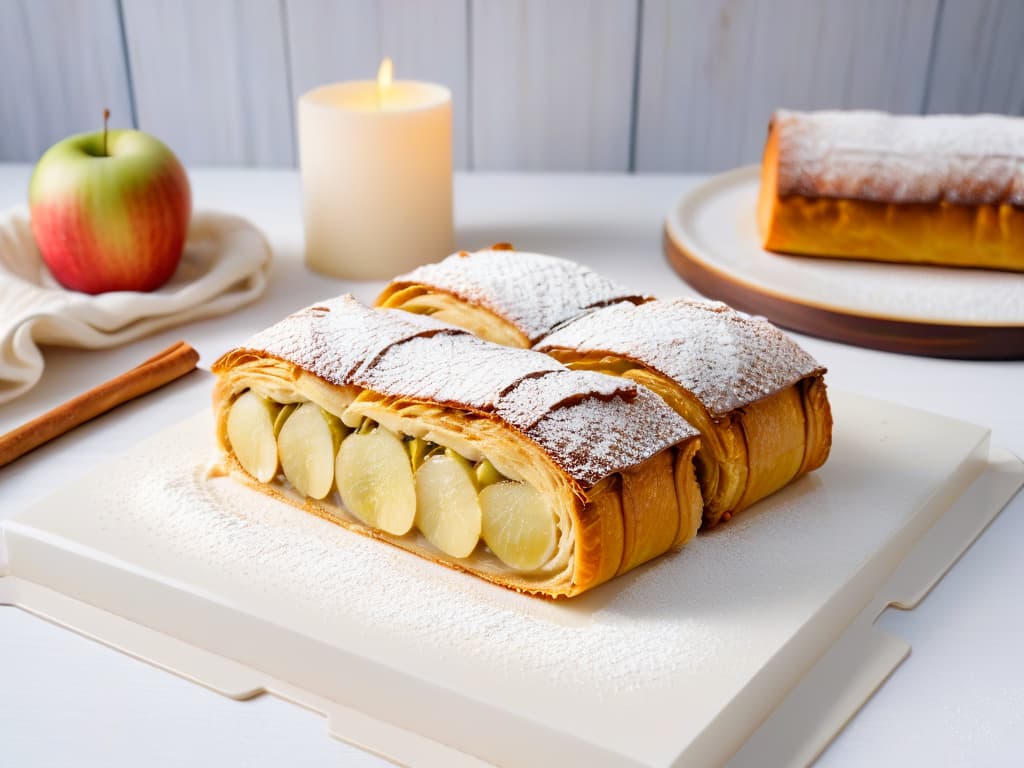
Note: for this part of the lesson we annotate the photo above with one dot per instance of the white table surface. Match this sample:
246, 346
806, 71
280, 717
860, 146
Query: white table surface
957, 700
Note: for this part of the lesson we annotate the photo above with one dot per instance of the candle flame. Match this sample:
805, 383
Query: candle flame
384, 75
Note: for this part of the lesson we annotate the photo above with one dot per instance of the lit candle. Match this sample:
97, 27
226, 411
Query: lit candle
376, 165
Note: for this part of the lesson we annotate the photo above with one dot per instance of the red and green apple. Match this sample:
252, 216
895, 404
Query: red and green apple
110, 211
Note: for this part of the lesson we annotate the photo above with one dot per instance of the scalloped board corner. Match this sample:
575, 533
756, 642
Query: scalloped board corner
638, 672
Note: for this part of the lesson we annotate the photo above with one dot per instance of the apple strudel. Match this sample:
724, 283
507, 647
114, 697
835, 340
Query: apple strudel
758, 399
500, 462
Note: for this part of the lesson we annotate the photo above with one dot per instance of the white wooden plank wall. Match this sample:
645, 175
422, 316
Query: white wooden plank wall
712, 71
552, 84
211, 79
574, 85
989, 35
332, 41
61, 63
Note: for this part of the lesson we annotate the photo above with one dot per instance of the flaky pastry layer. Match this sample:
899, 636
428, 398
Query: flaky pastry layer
747, 453
506, 296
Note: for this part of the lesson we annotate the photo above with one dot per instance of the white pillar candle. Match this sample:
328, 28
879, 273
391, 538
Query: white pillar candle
376, 165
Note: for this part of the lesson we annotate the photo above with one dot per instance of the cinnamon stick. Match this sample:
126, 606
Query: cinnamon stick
163, 368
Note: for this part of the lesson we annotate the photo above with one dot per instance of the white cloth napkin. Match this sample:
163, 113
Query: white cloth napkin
224, 266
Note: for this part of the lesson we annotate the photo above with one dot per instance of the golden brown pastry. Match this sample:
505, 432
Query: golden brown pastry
506, 296
757, 398
496, 461
938, 189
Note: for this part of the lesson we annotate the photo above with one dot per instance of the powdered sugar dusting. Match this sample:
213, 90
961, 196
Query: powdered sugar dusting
967, 159
334, 337
591, 425
593, 438
457, 370
519, 407
532, 291
726, 358
315, 576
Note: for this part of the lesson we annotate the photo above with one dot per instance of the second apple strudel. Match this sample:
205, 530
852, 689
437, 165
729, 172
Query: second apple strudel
937, 189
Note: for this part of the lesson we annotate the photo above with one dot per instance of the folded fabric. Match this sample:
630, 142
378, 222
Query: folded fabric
224, 265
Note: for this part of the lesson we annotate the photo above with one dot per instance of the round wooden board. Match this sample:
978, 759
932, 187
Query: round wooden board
711, 240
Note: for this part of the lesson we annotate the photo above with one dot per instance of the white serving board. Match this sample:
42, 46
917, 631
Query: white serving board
678, 662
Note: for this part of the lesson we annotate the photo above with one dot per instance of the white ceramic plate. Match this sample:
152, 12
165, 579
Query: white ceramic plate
712, 239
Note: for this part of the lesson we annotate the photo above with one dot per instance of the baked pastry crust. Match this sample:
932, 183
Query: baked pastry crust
506, 296
615, 463
757, 398
938, 189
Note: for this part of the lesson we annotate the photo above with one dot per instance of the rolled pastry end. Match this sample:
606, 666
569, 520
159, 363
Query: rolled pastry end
502, 295
744, 455
448, 308
818, 415
756, 450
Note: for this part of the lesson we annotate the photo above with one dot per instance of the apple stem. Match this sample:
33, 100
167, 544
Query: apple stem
106, 117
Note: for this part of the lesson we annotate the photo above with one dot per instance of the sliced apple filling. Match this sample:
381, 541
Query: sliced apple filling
394, 482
